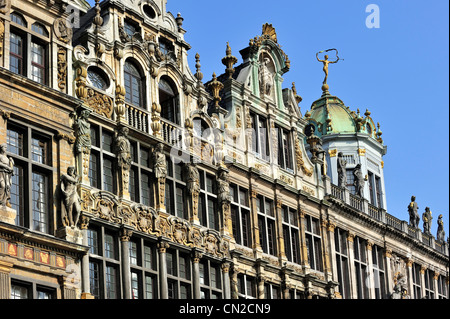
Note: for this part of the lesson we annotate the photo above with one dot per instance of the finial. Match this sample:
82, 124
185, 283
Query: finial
199, 74
229, 61
179, 19
216, 86
98, 20
326, 63
367, 114
298, 98
379, 134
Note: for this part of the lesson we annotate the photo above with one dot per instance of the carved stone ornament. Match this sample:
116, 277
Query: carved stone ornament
2, 36
300, 161
5, 6
62, 68
63, 30
100, 103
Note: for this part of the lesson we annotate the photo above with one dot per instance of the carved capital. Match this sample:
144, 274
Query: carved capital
388, 253
125, 234
331, 226
84, 222
163, 246
226, 267
350, 237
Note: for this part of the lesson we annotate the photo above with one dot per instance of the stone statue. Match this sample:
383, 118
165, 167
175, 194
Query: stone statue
326, 62
223, 187
159, 160
427, 218
193, 179
123, 147
265, 77
359, 181
342, 170
440, 232
414, 217
83, 132
6, 173
71, 199
400, 291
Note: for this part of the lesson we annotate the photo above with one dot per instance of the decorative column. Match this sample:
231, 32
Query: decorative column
5, 280
83, 144
196, 256
120, 105
261, 291
224, 202
409, 265
193, 188
389, 273
435, 285
325, 245
254, 217
331, 226
303, 247
156, 120
371, 277
162, 249
126, 272
123, 150
85, 280
234, 283
351, 265
279, 226
423, 269
226, 280
160, 171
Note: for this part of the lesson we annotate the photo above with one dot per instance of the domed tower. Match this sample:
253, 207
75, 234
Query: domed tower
350, 141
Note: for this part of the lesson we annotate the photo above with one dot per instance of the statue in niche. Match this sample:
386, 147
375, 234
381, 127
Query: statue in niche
440, 232
359, 181
342, 170
159, 160
193, 179
400, 291
123, 148
83, 132
71, 199
223, 188
6, 173
414, 217
265, 78
427, 218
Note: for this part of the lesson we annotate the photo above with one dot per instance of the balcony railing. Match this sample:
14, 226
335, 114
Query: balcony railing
337, 192
137, 118
375, 212
394, 222
356, 202
172, 134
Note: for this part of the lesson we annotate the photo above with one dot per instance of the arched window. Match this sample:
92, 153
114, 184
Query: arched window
39, 28
98, 78
18, 18
168, 99
134, 85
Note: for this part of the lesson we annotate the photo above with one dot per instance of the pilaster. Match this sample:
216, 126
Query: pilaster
126, 271
5, 280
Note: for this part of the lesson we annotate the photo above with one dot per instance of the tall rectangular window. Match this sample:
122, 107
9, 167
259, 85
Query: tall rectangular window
240, 215
313, 243
417, 285
266, 224
38, 66
291, 234
260, 136
16, 58
40, 202
340, 240
285, 157
378, 272
361, 268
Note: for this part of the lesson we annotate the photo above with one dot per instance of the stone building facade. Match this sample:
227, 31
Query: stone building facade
133, 178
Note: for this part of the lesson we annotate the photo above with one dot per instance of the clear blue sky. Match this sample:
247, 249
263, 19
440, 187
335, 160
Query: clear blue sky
400, 72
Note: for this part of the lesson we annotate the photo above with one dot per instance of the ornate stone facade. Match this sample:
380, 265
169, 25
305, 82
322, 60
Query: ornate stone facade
170, 178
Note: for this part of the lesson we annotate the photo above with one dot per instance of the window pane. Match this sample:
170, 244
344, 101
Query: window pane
111, 283
93, 170
19, 292
109, 247
93, 241
16, 54
39, 150
108, 176
40, 202
17, 195
14, 141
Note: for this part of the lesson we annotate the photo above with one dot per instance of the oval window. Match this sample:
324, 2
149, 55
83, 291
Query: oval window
98, 78
149, 11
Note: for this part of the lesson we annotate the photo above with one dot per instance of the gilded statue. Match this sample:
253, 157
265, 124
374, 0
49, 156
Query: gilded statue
326, 62
427, 218
414, 217
6, 173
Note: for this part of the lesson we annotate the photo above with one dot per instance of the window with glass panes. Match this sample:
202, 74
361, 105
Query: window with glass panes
350, 181
359, 249
291, 234
375, 190
285, 157
272, 291
246, 287
240, 215
179, 277
31, 184
140, 186
175, 192
442, 287
378, 272
104, 262
102, 159
417, 285
210, 280
429, 284
144, 269
134, 84
31, 290
267, 225
207, 201
313, 243
342, 262
260, 138
28, 49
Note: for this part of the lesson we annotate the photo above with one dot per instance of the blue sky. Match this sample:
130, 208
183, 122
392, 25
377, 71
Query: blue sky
400, 72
